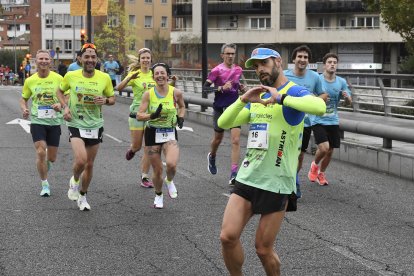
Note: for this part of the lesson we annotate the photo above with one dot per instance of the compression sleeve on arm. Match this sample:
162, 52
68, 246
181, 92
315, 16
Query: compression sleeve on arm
234, 115
308, 104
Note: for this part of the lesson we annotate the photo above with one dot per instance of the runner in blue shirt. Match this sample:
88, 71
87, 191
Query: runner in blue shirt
309, 79
326, 127
111, 67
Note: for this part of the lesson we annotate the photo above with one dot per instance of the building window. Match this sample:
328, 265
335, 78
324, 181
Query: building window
287, 14
49, 44
148, 22
342, 22
113, 20
365, 22
27, 27
148, 1
164, 46
132, 20
132, 45
68, 46
164, 22
164, 1
148, 44
48, 20
259, 23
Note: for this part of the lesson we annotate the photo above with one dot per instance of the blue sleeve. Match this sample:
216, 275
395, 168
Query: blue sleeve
293, 116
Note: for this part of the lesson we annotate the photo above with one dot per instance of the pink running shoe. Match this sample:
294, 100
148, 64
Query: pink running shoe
313, 172
146, 183
322, 179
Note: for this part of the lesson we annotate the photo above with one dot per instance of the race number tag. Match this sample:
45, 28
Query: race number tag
89, 133
163, 135
46, 112
258, 136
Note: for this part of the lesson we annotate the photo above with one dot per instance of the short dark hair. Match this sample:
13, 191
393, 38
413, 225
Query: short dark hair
329, 55
162, 64
302, 48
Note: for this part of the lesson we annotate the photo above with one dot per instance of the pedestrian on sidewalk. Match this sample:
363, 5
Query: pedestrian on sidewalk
266, 179
326, 128
45, 115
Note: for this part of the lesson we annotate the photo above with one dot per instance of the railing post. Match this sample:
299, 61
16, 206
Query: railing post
387, 143
386, 101
355, 102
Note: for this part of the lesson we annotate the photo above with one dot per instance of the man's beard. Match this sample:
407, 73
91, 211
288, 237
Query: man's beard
270, 81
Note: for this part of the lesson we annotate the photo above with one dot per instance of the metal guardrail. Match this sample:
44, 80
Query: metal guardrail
378, 99
387, 132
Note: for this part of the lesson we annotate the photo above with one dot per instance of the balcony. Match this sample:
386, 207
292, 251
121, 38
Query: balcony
226, 8
339, 6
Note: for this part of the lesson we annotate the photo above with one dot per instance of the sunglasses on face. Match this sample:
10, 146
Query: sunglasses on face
88, 45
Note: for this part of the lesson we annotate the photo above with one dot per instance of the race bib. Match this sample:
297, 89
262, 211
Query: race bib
163, 135
89, 133
258, 136
46, 112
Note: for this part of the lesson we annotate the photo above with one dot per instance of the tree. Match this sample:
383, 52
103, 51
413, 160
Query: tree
190, 45
160, 46
398, 16
117, 35
7, 58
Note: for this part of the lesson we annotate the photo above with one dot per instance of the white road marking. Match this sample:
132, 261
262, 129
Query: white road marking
25, 124
113, 138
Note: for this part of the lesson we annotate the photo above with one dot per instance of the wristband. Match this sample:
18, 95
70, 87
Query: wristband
279, 99
107, 101
283, 99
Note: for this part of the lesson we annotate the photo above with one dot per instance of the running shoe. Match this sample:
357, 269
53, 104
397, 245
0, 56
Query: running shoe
211, 164
322, 179
129, 154
73, 192
158, 202
45, 190
172, 190
313, 172
83, 204
146, 183
232, 179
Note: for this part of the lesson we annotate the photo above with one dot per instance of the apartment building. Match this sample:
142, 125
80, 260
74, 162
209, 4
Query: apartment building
60, 32
19, 29
345, 27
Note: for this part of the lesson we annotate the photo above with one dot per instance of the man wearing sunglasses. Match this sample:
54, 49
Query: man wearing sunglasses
87, 90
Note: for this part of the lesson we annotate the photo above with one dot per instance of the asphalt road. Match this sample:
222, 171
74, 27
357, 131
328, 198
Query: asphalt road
361, 224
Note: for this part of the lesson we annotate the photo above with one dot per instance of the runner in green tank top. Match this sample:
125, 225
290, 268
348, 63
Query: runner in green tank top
159, 109
265, 182
140, 79
45, 114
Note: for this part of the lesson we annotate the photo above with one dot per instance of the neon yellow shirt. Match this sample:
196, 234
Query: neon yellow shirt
42, 91
273, 168
139, 86
168, 118
85, 113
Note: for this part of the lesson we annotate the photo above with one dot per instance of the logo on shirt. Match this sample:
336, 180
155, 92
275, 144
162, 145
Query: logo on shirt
280, 149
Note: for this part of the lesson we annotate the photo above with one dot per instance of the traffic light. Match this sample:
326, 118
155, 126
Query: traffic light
83, 36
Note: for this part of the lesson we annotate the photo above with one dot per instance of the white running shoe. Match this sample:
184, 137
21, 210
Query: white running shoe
172, 190
73, 192
83, 204
45, 190
159, 201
